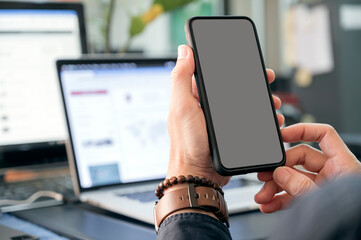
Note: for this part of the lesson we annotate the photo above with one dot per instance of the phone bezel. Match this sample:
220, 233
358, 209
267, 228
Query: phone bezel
216, 159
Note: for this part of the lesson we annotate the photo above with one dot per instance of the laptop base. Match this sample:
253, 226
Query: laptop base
81, 221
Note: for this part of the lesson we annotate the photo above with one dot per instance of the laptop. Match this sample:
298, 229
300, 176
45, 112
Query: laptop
32, 122
118, 146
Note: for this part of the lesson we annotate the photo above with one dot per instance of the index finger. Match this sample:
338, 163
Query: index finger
330, 142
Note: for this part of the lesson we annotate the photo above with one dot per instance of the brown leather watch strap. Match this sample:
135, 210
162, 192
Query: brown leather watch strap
191, 196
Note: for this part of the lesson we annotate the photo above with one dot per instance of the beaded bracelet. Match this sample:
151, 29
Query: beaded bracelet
167, 183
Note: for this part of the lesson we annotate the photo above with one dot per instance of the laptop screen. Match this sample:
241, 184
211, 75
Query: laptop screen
117, 116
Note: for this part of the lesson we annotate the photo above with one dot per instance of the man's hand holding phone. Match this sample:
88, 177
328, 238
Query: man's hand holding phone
334, 160
189, 150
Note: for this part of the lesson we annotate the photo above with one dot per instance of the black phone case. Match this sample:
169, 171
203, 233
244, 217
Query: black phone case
217, 163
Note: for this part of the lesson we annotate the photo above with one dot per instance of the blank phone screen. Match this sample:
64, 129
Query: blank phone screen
236, 86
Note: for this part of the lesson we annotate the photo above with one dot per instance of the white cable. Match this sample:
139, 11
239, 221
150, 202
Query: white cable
33, 198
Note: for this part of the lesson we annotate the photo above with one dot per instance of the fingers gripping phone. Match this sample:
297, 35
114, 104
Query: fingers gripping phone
234, 93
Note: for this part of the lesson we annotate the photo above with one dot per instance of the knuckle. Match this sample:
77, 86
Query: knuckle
304, 150
175, 74
329, 128
304, 147
178, 110
180, 71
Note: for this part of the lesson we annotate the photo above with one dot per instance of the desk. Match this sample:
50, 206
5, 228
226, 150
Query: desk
82, 221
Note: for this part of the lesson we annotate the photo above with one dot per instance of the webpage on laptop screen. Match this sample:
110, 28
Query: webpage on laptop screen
118, 121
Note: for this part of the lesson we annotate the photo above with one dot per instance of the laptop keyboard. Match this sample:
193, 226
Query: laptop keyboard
148, 196
22, 190
238, 182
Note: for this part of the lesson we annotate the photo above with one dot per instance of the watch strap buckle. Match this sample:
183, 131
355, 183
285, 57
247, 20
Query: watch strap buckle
192, 196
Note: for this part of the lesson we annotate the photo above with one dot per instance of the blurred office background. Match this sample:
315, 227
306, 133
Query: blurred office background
313, 46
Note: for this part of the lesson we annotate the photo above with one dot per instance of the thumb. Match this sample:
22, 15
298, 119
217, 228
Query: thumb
182, 73
293, 182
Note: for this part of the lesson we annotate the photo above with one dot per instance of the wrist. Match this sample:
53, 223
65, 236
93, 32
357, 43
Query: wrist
183, 182
175, 187
208, 173
187, 210
192, 173
185, 170
189, 197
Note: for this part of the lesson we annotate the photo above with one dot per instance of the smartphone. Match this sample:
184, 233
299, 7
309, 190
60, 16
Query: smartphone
235, 96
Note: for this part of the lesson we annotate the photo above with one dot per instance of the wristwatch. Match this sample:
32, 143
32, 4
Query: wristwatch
191, 196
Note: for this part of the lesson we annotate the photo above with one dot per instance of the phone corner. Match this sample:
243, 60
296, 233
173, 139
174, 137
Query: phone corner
189, 21
220, 169
283, 161
223, 172
249, 19
283, 152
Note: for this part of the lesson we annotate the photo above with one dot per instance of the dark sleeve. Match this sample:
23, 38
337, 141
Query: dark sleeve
192, 226
332, 212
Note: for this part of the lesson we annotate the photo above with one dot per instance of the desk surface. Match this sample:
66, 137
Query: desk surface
81, 221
